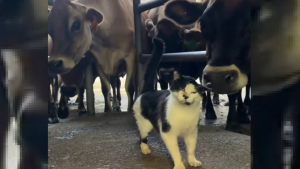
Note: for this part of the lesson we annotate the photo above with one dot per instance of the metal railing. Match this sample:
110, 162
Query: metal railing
138, 8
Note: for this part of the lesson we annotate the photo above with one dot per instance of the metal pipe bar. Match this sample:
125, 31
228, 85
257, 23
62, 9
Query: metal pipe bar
149, 5
181, 57
138, 43
89, 90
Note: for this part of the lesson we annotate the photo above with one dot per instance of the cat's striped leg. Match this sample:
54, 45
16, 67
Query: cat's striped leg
172, 145
190, 140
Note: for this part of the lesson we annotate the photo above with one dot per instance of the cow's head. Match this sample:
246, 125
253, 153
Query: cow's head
193, 40
225, 25
168, 31
73, 80
70, 26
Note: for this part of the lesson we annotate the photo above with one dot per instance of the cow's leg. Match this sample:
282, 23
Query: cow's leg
241, 110
118, 90
216, 99
204, 100
63, 110
247, 98
210, 113
105, 86
232, 118
129, 83
113, 81
4, 122
55, 86
81, 109
52, 110
266, 129
28, 159
296, 130
295, 111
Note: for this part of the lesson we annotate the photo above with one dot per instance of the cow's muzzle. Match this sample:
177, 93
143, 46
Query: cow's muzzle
224, 79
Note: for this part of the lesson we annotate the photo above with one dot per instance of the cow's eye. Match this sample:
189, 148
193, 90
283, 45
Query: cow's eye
76, 26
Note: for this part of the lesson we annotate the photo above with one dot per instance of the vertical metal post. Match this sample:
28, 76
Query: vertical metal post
89, 90
138, 43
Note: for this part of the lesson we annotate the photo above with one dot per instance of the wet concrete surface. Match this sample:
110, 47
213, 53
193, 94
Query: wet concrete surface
111, 141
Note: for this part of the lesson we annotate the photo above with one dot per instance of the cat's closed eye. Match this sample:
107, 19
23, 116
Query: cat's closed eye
194, 92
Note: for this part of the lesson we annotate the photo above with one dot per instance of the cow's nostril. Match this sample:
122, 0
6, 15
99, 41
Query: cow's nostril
58, 64
229, 78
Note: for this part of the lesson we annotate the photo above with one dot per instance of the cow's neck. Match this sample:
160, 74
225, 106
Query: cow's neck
275, 47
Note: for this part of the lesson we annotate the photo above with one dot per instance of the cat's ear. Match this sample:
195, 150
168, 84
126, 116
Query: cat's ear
176, 75
202, 89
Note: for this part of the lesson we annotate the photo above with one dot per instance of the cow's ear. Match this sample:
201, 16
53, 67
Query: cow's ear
184, 12
95, 17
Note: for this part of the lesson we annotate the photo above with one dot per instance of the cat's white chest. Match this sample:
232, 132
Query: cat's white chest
183, 118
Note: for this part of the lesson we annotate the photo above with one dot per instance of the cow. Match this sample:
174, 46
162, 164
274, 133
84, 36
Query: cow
88, 25
24, 79
179, 39
227, 47
267, 34
53, 82
156, 14
187, 40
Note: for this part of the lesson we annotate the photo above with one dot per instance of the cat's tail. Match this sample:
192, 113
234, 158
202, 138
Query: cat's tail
150, 72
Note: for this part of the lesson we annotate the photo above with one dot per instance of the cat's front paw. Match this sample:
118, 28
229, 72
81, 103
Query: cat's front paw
145, 149
195, 163
179, 166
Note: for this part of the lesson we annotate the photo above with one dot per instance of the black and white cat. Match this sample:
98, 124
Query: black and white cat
173, 113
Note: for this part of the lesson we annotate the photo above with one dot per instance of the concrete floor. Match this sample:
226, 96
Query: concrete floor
110, 141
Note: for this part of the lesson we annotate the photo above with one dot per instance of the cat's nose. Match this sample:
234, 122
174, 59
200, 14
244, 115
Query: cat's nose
185, 97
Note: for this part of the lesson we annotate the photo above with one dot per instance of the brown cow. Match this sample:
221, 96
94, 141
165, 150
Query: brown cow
92, 26
227, 49
192, 40
23, 78
28, 100
53, 82
274, 51
157, 14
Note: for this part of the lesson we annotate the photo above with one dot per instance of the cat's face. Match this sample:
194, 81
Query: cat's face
186, 90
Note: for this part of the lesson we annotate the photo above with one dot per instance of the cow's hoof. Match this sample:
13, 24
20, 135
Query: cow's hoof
81, 112
234, 127
53, 120
116, 109
63, 113
216, 101
210, 114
